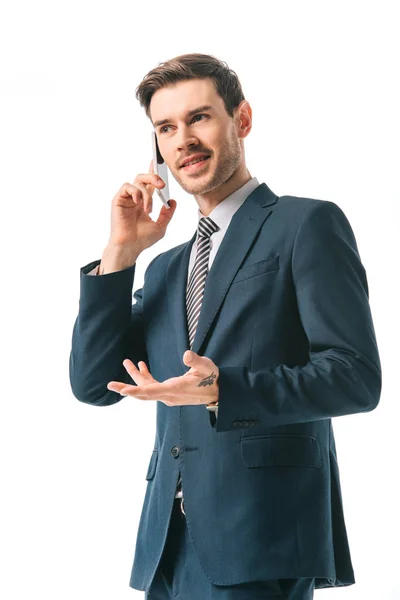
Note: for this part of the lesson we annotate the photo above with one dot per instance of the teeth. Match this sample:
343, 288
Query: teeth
195, 161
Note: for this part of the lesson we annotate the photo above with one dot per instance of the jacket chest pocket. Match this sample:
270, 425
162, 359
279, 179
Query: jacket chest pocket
257, 268
280, 450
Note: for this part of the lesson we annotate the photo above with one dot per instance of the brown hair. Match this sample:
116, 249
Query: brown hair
192, 66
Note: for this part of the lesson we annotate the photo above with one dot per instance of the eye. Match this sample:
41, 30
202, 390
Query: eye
195, 116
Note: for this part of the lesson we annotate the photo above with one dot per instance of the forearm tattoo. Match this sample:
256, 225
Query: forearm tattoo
209, 380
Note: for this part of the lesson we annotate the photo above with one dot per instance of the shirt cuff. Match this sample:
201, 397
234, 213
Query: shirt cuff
94, 271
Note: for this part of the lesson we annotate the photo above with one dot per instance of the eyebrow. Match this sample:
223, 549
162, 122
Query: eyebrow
190, 113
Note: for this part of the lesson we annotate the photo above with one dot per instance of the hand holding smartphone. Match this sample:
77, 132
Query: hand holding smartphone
160, 169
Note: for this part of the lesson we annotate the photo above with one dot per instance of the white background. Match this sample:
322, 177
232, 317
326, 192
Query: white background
322, 80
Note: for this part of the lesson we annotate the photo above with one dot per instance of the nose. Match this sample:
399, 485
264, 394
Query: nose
185, 140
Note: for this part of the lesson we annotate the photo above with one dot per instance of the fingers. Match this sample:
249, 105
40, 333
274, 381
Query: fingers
150, 188
116, 386
130, 366
128, 190
149, 179
147, 184
140, 190
141, 375
146, 196
143, 367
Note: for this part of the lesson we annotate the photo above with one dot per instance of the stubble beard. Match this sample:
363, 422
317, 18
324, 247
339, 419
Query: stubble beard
230, 158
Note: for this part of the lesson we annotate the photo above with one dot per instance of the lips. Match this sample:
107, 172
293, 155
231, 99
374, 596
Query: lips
194, 157
198, 166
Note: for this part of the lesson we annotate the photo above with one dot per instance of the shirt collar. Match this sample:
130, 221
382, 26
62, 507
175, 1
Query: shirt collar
224, 211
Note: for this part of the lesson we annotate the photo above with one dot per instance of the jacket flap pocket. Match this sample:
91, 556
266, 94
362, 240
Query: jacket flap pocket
152, 465
262, 266
280, 450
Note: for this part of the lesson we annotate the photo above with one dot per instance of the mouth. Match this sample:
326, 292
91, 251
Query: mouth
197, 166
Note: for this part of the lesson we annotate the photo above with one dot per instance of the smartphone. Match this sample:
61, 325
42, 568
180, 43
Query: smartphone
160, 169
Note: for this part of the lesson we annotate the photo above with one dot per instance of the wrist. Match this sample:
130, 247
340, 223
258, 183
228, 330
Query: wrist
117, 258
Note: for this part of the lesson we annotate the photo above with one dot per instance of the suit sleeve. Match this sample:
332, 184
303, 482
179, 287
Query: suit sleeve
343, 373
108, 329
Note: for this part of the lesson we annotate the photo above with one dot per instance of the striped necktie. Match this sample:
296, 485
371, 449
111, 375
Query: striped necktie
198, 275
195, 290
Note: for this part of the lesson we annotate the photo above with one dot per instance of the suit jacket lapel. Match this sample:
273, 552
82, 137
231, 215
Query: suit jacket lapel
243, 228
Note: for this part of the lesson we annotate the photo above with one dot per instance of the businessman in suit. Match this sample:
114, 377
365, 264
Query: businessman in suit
250, 337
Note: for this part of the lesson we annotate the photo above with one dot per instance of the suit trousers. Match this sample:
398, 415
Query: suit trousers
179, 575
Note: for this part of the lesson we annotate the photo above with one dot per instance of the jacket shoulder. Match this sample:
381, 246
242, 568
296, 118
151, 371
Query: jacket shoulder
298, 209
300, 204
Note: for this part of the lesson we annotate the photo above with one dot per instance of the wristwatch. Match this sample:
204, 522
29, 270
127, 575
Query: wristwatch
213, 407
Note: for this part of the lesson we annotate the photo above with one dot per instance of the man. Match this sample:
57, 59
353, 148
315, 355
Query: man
251, 337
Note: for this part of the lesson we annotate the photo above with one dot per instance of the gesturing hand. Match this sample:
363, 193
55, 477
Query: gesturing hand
198, 386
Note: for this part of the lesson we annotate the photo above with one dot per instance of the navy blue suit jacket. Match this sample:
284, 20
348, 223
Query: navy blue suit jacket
286, 318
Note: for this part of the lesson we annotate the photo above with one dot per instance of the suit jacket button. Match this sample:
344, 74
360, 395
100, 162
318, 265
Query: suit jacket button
175, 451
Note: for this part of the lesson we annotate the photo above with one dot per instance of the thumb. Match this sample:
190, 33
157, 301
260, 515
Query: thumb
166, 214
191, 358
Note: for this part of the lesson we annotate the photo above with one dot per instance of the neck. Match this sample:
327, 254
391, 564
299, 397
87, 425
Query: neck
207, 202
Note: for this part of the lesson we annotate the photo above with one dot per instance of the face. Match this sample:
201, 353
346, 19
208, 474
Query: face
210, 131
